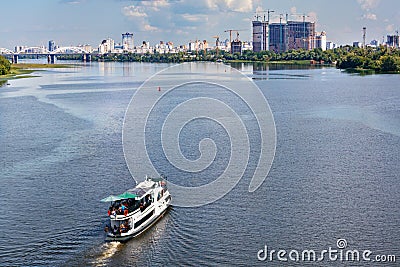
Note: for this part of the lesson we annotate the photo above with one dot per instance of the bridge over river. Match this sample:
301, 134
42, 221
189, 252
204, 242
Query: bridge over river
43, 52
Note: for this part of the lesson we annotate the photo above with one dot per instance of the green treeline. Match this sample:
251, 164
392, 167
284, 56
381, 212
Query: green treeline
380, 60
5, 66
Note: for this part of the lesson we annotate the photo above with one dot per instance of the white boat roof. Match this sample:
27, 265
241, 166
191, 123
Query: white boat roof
142, 188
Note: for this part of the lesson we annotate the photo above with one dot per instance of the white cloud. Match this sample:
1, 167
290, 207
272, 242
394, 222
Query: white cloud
180, 32
148, 27
133, 12
370, 16
390, 28
195, 18
72, 2
259, 9
230, 5
155, 5
368, 4
293, 10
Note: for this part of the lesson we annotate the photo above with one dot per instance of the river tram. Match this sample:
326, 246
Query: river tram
135, 210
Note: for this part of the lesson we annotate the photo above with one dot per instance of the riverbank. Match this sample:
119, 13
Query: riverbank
20, 66
23, 70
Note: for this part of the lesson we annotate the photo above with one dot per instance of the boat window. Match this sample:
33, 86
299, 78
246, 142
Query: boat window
145, 218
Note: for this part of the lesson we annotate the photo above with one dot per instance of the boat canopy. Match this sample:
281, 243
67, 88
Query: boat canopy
137, 191
125, 195
140, 190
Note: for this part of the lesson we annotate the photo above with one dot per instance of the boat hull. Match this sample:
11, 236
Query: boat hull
149, 224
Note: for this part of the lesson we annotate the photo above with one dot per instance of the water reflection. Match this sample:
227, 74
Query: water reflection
106, 69
127, 69
267, 71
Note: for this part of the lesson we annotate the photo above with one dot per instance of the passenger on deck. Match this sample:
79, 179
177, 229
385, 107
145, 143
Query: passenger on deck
127, 227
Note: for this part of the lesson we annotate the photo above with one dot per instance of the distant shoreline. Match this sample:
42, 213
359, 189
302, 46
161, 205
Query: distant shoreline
23, 70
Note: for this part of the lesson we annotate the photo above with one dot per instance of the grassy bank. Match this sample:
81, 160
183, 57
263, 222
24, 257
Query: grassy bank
24, 70
39, 66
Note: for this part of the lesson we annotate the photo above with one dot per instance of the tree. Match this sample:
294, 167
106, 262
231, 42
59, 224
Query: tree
5, 66
390, 63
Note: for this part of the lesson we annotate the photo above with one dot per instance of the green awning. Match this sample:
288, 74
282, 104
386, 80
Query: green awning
126, 195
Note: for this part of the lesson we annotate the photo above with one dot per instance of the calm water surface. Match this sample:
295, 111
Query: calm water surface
335, 174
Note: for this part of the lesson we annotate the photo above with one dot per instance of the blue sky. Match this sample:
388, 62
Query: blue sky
72, 22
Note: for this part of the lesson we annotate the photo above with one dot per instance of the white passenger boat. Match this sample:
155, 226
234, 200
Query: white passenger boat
137, 209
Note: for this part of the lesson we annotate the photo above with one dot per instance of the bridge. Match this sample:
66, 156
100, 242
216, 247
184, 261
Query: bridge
42, 51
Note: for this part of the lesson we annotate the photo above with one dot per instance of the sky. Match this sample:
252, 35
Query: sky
74, 22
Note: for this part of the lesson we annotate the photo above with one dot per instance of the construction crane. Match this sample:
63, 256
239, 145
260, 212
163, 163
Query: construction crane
304, 16
256, 16
216, 40
268, 11
237, 37
230, 33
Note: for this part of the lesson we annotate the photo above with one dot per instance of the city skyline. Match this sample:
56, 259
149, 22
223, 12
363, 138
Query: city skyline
71, 22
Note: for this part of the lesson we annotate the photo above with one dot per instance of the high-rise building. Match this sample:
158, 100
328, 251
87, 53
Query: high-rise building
203, 45
127, 41
300, 35
236, 47
293, 35
51, 45
278, 37
330, 45
260, 36
392, 40
374, 43
194, 46
107, 46
87, 48
320, 41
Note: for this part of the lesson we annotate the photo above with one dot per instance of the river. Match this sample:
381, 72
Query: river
335, 174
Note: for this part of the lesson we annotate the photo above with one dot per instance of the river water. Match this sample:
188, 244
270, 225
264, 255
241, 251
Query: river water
335, 173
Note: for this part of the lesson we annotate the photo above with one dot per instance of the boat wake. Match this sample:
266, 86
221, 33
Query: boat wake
107, 251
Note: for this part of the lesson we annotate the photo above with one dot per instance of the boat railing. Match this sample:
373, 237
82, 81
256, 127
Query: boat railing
117, 213
118, 230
